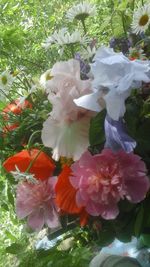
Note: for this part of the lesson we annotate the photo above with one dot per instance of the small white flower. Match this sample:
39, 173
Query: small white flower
23, 176
63, 37
6, 80
81, 11
141, 19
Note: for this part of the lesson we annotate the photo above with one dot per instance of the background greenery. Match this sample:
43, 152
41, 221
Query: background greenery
24, 25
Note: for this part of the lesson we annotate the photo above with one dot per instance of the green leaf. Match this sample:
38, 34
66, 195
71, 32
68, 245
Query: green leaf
10, 196
139, 221
15, 248
96, 133
10, 235
106, 237
145, 238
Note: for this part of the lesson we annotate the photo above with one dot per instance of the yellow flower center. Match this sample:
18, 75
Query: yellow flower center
4, 80
143, 20
48, 77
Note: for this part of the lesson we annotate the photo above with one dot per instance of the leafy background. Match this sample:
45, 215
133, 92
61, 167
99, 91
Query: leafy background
24, 25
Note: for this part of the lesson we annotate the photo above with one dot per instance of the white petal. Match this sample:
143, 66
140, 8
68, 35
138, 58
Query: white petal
67, 140
89, 102
115, 104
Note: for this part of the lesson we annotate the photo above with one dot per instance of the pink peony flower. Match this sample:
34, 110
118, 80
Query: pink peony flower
36, 201
104, 179
66, 130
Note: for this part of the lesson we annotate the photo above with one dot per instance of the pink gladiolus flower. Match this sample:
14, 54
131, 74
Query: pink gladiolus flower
104, 179
36, 201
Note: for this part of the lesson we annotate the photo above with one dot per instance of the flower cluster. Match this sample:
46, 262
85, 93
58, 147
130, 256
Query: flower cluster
88, 159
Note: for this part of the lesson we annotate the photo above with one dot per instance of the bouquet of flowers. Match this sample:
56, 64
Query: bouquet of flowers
75, 144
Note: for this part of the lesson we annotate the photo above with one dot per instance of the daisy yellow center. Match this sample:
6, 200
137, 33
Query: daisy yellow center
4, 80
82, 16
48, 77
144, 20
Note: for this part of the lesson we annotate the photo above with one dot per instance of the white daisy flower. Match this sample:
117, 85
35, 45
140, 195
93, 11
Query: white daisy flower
63, 37
141, 19
81, 11
6, 80
46, 76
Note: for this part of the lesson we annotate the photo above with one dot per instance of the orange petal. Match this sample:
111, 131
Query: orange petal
16, 108
42, 167
66, 193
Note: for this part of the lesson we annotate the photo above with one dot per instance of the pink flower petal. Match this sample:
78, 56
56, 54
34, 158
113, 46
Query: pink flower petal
36, 219
51, 217
137, 188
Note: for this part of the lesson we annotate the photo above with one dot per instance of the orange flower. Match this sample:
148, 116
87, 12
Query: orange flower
17, 108
42, 166
66, 196
10, 127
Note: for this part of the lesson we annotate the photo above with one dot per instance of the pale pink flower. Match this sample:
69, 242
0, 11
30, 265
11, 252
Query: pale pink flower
36, 201
66, 130
104, 179
64, 87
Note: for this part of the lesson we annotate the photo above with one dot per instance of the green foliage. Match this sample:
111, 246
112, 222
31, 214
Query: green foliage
96, 134
24, 25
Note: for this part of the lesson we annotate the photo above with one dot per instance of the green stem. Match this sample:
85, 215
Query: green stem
32, 162
133, 5
123, 23
72, 50
31, 137
142, 3
83, 24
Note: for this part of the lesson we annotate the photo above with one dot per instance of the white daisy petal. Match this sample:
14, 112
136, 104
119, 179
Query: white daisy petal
63, 37
81, 11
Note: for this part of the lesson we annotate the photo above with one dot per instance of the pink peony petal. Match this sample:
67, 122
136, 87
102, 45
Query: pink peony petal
137, 188
51, 217
110, 212
36, 219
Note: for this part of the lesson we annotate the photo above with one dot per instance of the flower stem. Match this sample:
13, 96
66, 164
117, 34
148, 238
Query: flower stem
83, 24
133, 5
123, 23
31, 163
72, 50
142, 3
